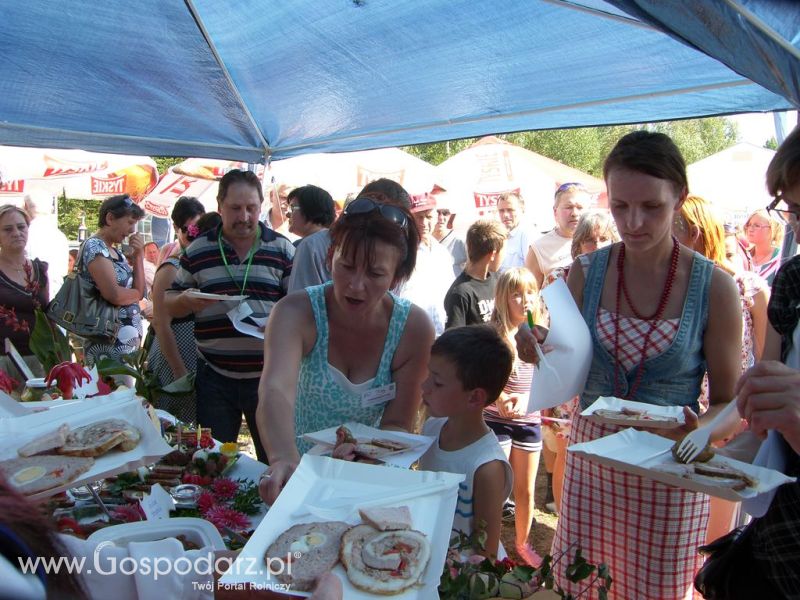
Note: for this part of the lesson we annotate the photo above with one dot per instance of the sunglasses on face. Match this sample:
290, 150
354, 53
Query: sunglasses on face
364, 205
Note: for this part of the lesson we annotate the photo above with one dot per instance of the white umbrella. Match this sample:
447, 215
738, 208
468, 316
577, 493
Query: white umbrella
476, 176
733, 180
77, 173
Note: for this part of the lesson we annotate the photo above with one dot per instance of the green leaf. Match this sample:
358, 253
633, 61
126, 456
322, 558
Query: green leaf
109, 366
579, 572
179, 387
48, 343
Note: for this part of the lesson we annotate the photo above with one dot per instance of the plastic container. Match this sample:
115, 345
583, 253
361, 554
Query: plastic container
199, 532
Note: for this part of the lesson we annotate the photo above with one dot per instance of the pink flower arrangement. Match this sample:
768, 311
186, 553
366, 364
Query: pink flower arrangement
205, 502
222, 516
224, 488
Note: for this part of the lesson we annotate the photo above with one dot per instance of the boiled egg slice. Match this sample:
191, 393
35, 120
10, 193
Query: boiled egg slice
28, 475
308, 542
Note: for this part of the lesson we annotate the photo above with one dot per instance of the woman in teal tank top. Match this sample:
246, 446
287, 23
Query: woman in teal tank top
348, 350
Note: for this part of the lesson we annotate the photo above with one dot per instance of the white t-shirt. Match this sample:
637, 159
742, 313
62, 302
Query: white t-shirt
465, 461
48, 244
552, 250
429, 283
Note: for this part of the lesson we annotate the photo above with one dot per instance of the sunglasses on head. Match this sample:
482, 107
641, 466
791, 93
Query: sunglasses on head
364, 205
565, 187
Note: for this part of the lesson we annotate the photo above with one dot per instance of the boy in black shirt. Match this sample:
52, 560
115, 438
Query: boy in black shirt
470, 300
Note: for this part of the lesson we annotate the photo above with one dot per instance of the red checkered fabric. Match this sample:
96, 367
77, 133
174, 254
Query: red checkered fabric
631, 336
646, 532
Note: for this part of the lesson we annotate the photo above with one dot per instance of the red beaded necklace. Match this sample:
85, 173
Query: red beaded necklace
622, 289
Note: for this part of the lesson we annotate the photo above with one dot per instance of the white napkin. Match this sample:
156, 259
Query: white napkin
571, 354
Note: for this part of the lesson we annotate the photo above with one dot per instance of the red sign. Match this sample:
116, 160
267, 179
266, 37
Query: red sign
67, 169
108, 187
156, 209
12, 187
180, 187
489, 199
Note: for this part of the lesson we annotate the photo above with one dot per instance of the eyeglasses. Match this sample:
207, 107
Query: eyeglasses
292, 208
364, 205
756, 226
790, 216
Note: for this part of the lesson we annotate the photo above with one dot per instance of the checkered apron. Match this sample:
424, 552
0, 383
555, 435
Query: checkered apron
646, 532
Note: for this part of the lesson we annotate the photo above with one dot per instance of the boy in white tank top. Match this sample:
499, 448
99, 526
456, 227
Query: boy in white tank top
468, 369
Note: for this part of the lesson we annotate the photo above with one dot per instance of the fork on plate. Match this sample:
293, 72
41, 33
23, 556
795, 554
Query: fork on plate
693, 444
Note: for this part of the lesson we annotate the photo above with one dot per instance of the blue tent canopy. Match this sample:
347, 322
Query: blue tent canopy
253, 79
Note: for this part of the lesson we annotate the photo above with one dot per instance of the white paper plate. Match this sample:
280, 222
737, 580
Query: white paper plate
207, 296
612, 403
404, 459
317, 476
120, 405
638, 452
197, 531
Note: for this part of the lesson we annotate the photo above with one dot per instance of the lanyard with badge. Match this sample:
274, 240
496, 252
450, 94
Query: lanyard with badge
249, 259
243, 310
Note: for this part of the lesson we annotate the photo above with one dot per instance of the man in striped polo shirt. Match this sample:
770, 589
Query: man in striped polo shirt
242, 257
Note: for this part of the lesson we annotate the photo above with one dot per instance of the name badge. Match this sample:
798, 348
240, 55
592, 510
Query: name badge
378, 395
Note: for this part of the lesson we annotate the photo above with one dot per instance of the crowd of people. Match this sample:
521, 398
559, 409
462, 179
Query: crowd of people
389, 314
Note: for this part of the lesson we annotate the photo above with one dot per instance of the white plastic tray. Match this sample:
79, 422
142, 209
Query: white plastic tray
612, 403
637, 452
120, 405
197, 531
318, 477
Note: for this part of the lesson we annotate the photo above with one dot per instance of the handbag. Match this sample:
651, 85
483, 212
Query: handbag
730, 571
79, 308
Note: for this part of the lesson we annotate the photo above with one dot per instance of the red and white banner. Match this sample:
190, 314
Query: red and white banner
76, 173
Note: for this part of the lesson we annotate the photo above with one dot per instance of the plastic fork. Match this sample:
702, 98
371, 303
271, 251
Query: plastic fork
693, 444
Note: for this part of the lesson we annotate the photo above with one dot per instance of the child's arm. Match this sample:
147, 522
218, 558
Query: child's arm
488, 485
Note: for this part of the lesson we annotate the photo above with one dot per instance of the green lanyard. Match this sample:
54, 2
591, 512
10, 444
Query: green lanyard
250, 256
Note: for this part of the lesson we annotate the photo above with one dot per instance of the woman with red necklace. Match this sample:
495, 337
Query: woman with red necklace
647, 304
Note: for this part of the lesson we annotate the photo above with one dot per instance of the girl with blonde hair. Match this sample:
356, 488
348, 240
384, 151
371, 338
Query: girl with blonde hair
699, 227
519, 432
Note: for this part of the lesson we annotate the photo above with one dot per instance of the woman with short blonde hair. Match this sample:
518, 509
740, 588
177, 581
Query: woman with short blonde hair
765, 234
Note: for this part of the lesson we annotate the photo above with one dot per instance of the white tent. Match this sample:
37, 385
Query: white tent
733, 180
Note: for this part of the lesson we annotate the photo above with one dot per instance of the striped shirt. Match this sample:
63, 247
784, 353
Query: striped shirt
226, 350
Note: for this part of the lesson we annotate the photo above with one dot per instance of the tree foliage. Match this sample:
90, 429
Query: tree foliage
585, 148
165, 162
70, 211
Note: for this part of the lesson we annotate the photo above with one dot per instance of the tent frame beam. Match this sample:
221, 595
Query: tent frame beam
233, 87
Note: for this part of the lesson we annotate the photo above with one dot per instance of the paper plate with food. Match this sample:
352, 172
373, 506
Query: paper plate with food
370, 444
208, 296
48, 452
651, 456
628, 413
375, 548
